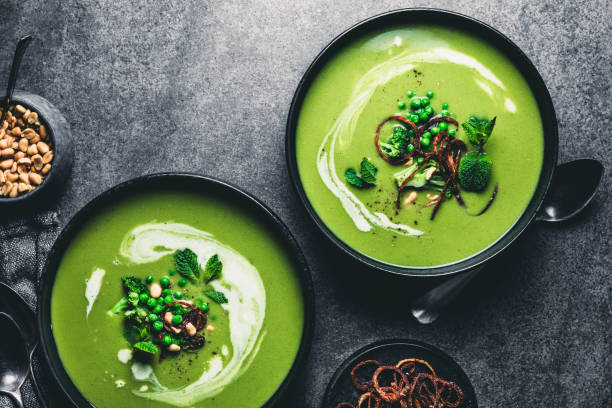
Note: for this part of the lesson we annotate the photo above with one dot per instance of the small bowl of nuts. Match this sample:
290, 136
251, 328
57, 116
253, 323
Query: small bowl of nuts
36, 150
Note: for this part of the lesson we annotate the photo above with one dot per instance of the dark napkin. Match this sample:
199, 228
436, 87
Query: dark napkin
24, 244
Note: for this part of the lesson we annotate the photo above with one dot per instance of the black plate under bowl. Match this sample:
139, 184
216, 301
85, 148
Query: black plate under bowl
59, 132
478, 29
155, 182
340, 387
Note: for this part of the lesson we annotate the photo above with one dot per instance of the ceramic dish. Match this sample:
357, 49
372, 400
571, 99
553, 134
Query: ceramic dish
254, 342
337, 107
63, 149
341, 389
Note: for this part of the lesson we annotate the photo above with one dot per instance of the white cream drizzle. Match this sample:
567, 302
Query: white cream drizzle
92, 288
341, 132
241, 284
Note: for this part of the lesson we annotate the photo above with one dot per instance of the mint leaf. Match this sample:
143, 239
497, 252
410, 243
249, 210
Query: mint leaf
218, 297
213, 268
368, 171
352, 178
187, 265
146, 347
478, 130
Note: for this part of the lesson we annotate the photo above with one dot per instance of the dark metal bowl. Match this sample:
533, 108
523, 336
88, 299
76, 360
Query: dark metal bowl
190, 182
506, 47
63, 152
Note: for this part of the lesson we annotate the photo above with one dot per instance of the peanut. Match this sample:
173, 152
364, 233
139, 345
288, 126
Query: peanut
174, 348
168, 317
45, 170
42, 147
35, 178
23, 177
29, 133
4, 144
23, 187
23, 144
12, 177
32, 150
2, 178
190, 329
20, 109
43, 131
32, 118
411, 198
8, 152
14, 191
6, 164
48, 157
37, 161
155, 290
19, 155
16, 131
429, 173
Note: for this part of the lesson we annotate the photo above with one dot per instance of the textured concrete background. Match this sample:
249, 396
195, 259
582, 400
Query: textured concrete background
165, 86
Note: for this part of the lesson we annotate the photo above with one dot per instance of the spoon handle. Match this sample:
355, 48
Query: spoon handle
427, 308
17, 57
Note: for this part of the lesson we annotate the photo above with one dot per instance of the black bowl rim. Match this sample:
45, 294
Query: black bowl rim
23, 98
519, 59
45, 330
392, 342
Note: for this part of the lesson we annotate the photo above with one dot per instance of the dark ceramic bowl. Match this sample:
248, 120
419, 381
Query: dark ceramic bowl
190, 182
466, 24
389, 352
63, 152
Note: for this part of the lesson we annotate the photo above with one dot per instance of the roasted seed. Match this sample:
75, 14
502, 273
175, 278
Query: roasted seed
16, 131
37, 161
23, 177
42, 147
411, 198
29, 133
48, 157
32, 150
23, 187
155, 290
35, 178
12, 177
174, 347
19, 155
190, 329
433, 197
168, 317
429, 173
8, 152
45, 170
20, 109
6, 164
23, 144
32, 118
43, 131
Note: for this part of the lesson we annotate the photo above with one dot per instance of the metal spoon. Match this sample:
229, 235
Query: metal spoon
10, 87
573, 186
14, 359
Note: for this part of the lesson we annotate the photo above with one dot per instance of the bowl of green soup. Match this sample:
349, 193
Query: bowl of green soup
422, 142
175, 290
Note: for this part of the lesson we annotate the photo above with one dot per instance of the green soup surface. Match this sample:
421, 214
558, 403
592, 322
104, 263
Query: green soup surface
251, 342
367, 81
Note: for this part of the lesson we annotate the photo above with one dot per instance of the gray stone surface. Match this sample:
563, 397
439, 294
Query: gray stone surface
158, 85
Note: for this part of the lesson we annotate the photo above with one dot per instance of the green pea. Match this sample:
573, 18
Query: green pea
152, 302
445, 106
178, 319
425, 102
182, 283
165, 282
425, 142
168, 299
166, 292
444, 112
149, 279
434, 130
167, 340
415, 103
410, 94
401, 105
429, 110
178, 294
452, 132
171, 272
419, 111
426, 135
448, 194
430, 94
158, 309
205, 308
423, 116
420, 160
153, 317
414, 118
158, 325
410, 148
143, 297
443, 126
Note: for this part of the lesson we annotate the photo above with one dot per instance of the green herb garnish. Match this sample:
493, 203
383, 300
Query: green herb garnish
187, 264
478, 130
218, 297
367, 177
475, 171
132, 284
213, 268
396, 146
146, 347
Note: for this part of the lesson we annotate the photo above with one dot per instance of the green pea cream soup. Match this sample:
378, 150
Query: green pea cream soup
172, 298
419, 145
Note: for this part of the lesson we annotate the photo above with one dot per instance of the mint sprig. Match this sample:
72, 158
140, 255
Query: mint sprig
213, 268
187, 265
367, 176
216, 296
